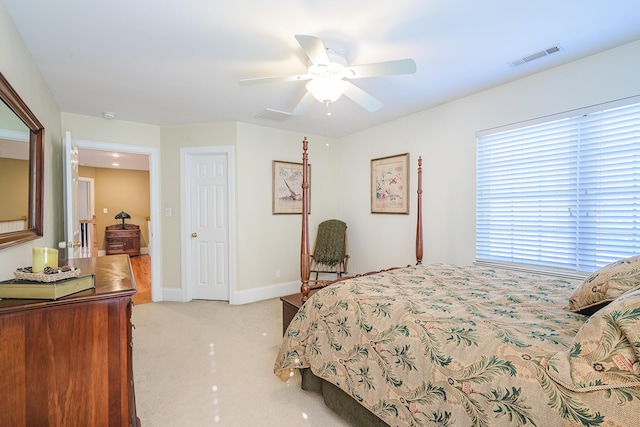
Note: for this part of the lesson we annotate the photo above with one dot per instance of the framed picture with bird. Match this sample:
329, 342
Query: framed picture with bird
287, 187
390, 184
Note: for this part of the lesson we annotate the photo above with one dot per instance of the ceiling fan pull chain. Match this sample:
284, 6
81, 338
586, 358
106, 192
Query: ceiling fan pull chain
326, 121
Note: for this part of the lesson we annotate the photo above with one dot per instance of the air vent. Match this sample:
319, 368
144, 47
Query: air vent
536, 55
275, 115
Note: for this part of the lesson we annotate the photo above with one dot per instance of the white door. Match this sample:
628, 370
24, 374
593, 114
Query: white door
71, 218
209, 226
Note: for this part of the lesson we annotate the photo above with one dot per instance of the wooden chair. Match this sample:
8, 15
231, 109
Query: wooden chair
330, 251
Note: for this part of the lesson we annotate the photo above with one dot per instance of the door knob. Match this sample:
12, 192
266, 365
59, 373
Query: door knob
194, 234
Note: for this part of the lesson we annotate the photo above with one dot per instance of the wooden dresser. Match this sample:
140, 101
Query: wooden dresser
68, 362
122, 239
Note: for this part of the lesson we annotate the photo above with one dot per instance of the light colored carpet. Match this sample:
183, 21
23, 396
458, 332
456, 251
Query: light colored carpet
208, 363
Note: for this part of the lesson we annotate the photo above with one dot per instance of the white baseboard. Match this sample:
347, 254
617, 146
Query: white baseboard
261, 294
170, 294
240, 297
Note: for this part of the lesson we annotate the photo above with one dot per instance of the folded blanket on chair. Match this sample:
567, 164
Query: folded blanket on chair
330, 243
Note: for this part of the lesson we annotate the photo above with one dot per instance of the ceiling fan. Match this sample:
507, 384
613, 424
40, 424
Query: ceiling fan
328, 76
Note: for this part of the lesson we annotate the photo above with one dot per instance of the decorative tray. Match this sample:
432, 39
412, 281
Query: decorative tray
49, 274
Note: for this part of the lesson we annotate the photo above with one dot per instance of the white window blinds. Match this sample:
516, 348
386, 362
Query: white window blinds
563, 194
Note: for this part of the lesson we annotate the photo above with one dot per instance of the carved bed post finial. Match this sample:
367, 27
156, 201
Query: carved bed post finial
419, 224
305, 258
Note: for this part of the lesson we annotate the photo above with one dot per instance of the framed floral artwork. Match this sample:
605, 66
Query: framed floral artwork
287, 187
390, 184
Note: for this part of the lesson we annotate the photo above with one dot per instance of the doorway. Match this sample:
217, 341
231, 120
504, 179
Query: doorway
150, 265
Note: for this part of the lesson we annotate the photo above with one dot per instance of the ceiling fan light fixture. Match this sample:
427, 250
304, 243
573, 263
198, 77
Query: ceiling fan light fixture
328, 76
326, 89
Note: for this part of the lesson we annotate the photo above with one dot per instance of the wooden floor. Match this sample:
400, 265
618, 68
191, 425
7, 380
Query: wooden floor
141, 266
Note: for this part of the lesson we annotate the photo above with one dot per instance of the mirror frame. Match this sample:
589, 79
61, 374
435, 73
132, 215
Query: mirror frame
36, 168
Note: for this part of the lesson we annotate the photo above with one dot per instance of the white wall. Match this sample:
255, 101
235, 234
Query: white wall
19, 69
268, 242
445, 136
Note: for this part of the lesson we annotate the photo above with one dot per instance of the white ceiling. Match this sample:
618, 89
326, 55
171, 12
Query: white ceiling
113, 160
168, 62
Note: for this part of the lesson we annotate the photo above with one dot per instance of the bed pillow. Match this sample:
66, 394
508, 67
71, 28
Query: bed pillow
605, 353
605, 285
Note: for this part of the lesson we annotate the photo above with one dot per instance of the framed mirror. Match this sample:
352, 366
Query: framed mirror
21, 170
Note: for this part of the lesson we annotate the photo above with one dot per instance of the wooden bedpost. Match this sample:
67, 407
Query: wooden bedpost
419, 224
305, 258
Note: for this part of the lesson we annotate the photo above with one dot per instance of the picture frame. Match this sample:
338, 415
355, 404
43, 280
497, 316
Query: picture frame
390, 184
287, 187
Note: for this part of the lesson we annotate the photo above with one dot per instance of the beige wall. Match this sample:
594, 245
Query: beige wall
445, 136
14, 197
119, 190
19, 69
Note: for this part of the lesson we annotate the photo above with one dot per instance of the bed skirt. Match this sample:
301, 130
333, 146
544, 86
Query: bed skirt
339, 401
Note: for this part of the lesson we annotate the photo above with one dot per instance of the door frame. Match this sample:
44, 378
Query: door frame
91, 205
185, 208
154, 202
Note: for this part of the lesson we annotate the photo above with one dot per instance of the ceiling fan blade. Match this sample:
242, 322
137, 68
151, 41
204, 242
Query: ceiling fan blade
377, 69
314, 48
303, 104
275, 79
362, 98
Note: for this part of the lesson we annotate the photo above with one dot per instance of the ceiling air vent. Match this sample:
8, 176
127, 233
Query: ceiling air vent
275, 115
536, 55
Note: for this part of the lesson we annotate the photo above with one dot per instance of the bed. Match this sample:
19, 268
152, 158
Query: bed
448, 345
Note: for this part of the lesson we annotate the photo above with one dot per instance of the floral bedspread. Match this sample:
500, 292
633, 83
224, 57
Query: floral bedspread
444, 345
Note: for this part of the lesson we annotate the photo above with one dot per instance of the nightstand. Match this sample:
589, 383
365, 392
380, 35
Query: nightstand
290, 306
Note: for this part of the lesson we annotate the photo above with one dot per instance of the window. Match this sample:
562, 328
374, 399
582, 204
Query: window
561, 194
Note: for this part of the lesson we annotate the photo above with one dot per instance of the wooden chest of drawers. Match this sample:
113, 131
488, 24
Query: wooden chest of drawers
122, 239
68, 362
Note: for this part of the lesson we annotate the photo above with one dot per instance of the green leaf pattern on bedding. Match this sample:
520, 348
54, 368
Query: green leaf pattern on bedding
441, 345
604, 351
511, 404
568, 405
